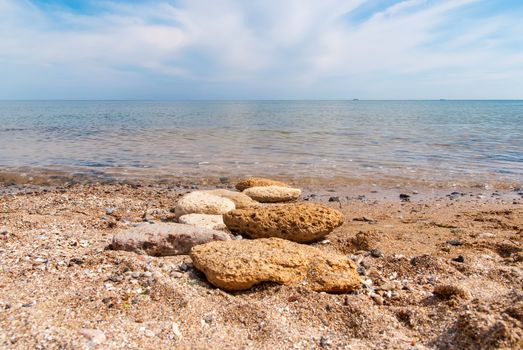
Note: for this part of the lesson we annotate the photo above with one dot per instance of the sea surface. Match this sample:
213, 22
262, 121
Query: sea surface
423, 140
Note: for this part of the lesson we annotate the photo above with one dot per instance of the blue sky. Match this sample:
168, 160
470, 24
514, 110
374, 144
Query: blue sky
261, 49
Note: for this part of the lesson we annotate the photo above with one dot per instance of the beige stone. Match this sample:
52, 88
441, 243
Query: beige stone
296, 222
164, 239
201, 202
241, 200
241, 264
214, 222
258, 181
273, 194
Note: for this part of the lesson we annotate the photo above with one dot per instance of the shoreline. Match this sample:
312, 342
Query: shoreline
48, 177
59, 278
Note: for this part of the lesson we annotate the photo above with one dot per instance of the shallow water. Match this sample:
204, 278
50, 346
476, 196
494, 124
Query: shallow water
424, 140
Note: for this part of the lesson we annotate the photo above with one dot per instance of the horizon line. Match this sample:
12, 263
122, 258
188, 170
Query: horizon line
253, 99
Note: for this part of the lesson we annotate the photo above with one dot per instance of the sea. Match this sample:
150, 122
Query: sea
437, 140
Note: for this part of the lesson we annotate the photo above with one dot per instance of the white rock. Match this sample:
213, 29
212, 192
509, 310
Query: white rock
273, 194
240, 199
214, 222
95, 336
200, 202
176, 330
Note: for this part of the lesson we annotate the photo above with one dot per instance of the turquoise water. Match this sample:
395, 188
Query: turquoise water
430, 140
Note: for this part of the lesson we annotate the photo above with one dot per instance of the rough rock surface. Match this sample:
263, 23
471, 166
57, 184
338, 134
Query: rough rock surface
300, 223
241, 200
239, 265
201, 202
273, 194
214, 222
258, 181
164, 239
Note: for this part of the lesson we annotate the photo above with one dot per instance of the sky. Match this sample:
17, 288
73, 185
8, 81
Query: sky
261, 49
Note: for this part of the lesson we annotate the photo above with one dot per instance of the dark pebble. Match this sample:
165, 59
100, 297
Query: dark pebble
75, 261
361, 270
334, 199
184, 267
376, 253
364, 218
455, 195
459, 259
224, 180
405, 197
116, 278
454, 242
325, 342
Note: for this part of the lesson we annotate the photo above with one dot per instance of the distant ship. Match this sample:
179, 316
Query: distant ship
355, 99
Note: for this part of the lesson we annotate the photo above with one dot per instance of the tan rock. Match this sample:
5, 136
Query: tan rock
258, 181
300, 223
201, 202
164, 239
273, 194
214, 222
241, 200
239, 265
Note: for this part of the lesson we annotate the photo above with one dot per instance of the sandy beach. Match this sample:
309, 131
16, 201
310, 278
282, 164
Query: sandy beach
442, 269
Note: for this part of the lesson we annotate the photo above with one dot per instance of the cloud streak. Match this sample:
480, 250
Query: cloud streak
261, 49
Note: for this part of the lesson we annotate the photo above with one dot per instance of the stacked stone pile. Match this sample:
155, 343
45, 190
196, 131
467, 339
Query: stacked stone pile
211, 224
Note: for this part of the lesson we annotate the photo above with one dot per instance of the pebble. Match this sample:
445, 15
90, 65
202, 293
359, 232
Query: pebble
377, 298
334, 199
184, 267
376, 253
176, 274
454, 242
405, 197
4, 230
459, 259
325, 341
176, 330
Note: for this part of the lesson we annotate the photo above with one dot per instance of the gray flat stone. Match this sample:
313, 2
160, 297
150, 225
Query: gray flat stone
163, 239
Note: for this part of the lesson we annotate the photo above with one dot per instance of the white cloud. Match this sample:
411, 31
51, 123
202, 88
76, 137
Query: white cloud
298, 45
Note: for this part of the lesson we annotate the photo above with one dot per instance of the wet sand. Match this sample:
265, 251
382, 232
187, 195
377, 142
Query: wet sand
442, 267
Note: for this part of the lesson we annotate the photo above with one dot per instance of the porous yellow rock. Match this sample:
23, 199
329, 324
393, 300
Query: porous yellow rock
298, 222
258, 181
241, 264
